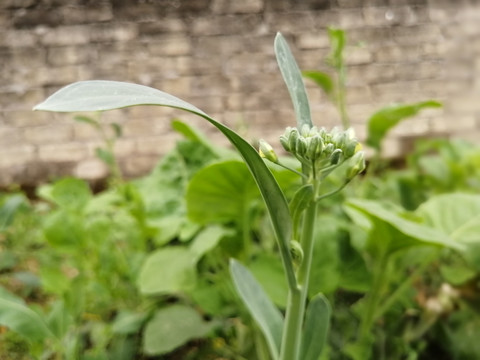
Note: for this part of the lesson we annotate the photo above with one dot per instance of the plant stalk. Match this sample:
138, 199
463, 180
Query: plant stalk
292, 331
374, 298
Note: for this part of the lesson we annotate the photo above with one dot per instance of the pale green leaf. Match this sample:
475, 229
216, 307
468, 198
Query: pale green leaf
267, 269
323, 80
293, 79
263, 311
399, 232
102, 95
383, 120
172, 327
317, 323
168, 271
24, 321
220, 193
208, 239
457, 215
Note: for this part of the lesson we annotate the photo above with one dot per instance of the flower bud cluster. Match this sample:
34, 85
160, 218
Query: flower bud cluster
314, 146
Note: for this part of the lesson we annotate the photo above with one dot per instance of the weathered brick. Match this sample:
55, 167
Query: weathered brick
226, 24
388, 16
91, 169
9, 135
16, 4
226, 6
404, 53
416, 34
155, 145
16, 155
166, 25
138, 165
350, 19
401, 91
121, 32
356, 55
100, 12
359, 94
291, 22
58, 133
20, 99
313, 41
18, 39
219, 55
70, 55
66, 35
125, 147
170, 46
371, 74
73, 151
350, 3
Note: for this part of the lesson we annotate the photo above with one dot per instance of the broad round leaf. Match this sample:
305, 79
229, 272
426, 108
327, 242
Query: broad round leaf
172, 327
168, 271
220, 193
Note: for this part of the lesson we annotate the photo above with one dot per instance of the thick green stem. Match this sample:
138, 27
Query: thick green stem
292, 331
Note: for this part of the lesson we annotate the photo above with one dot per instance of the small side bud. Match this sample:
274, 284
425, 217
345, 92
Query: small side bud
351, 148
329, 149
357, 165
267, 152
284, 142
296, 251
301, 146
336, 156
292, 139
313, 143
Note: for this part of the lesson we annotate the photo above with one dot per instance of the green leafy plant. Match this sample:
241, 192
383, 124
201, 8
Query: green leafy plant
107, 152
319, 153
335, 87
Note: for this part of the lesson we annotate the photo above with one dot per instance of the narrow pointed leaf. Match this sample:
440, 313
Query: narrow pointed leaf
102, 95
316, 328
293, 79
383, 120
262, 309
337, 43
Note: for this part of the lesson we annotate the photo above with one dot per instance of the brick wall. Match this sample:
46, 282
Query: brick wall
218, 54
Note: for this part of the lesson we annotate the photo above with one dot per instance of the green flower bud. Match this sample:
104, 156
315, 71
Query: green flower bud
296, 251
329, 149
267, 152
336, 156
351, 148
301, 146
312, 147
313, 131
350, 133
292, 139
357, 165
284, 142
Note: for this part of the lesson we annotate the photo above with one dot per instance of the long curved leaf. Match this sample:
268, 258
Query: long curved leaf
293, 79
262, 309
100, 95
